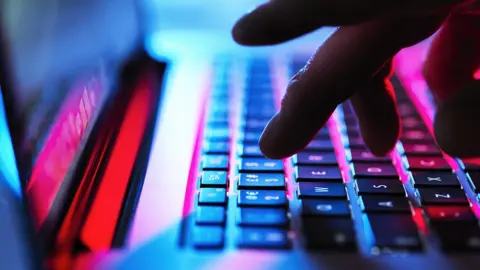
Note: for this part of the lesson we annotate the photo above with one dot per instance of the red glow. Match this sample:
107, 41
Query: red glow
62, 144
100, 224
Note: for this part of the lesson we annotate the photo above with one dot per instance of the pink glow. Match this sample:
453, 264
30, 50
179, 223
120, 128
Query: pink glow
162, 202
62, 144
408, 68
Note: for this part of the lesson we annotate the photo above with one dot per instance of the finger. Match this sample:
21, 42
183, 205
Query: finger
281, 20
449, 71
348, 59
376, 111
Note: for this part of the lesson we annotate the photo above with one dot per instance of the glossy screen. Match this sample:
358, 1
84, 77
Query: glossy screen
60, 62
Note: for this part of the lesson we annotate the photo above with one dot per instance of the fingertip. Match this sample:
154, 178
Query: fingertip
456, 123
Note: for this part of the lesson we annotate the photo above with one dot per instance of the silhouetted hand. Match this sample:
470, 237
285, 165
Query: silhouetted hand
355, 63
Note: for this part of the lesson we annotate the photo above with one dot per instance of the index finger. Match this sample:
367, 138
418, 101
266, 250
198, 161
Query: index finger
344, 63
281, 20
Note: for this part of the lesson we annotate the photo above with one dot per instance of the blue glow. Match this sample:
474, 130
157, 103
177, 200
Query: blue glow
8, 167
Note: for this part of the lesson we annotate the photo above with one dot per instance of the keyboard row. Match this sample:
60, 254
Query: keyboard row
233, 166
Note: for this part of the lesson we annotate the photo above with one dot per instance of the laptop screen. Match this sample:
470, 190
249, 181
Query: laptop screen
60, 61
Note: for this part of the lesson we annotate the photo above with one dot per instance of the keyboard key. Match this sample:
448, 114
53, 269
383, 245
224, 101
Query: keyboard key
320, 145
383, 170
360, 155
208, 237
421, 149
318, 173
250, 137
309, 158
262, 217
394, 232
436, 214
458, 237
435, 178
260, 165
212, 196
321, 189
261, 181
210, 215
453, 196
416, 136
379, 186
215, 162
427, 163
262, 198
474, 181
406, 109
374, 203
319, 207
214, 178
217, 134
263, 238
255, 124
250, 150
216, 147
412, 123
329, 233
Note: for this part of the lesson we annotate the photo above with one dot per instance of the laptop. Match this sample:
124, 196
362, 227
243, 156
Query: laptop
138, 150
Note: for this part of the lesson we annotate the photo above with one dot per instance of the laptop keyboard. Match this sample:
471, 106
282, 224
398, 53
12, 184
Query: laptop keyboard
333, 195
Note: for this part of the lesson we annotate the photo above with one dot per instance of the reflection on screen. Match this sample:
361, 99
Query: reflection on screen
63, 142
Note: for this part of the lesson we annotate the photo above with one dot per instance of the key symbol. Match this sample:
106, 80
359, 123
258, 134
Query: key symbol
427, 163
269, 198
274, 237
324, 207
386, 204
315, 158
374, 170
252, 164
420, 148
438, 179
252, 176
366, 155
252, 193
269, 180
321, 189
443, 196
379, 186
319, 172
213, 177
270, 164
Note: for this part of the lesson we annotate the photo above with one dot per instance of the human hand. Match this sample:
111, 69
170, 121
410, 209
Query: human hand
355, 63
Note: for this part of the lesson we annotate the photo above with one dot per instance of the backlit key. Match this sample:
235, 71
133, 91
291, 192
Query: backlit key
379, 187
329, 233
260, 165
374, 170
427, 163
452, 196
215, 162
261, 181
311, 158
248, 216
323, 207
318, 173
434, 178
321, 190
262, 198
384, 204
263, 238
